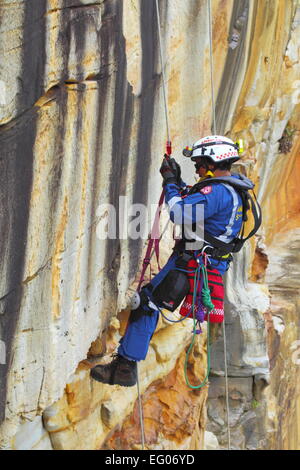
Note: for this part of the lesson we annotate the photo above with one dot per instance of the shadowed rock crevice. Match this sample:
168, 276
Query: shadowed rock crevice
121, 132
72, 33
235, 59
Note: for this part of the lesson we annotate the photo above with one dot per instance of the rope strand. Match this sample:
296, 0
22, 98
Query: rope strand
162, 70
226, 386
140, 410
212, 70
215, 131
208, 304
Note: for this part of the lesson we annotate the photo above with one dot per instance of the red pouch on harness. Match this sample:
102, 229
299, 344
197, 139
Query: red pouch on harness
216, 287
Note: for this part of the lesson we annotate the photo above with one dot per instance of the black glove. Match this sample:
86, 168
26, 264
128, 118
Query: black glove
170, 171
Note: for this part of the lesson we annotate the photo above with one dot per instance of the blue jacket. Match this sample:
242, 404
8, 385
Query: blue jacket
223, 211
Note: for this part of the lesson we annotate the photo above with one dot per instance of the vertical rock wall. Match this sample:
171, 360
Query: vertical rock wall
81, 124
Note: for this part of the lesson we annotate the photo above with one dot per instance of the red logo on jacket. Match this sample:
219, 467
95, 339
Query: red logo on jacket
206, 190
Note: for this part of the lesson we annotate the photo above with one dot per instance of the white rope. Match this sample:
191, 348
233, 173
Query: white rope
140, 409
215, 131
162, 70
226, 387
213, 110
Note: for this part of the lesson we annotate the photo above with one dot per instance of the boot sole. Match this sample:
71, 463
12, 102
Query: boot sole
96, 377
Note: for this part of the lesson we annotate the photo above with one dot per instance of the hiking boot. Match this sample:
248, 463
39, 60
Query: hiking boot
120, 371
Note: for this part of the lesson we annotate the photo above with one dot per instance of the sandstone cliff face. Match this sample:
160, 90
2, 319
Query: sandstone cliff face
82, 123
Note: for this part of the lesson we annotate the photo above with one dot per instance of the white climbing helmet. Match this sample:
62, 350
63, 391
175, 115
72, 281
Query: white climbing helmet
216, 147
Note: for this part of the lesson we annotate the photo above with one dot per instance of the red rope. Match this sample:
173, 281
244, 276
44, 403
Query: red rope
155, 235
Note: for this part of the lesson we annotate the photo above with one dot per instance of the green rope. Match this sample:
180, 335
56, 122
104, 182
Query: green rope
206, 299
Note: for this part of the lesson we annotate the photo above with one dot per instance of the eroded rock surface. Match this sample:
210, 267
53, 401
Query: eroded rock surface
81, 124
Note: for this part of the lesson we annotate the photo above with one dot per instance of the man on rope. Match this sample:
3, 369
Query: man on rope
226, 200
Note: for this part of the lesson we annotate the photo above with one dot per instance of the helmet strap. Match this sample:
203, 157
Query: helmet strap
208, 174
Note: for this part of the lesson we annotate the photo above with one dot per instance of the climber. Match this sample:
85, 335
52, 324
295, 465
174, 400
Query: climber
225, 201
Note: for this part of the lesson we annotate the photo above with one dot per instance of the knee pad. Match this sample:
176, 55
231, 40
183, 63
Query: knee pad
138, 299
172, 290
141, 305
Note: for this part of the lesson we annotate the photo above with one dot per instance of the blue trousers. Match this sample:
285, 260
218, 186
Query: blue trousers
135, 343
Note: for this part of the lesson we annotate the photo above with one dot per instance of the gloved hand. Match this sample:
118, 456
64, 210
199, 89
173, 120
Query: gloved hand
170, 171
